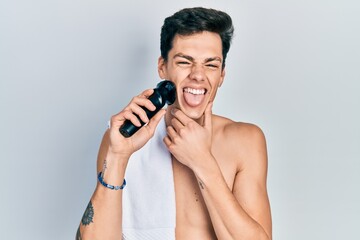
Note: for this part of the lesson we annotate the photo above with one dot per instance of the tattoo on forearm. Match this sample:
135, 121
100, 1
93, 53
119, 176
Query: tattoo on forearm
88, 215
201, 184
104, 167
86, 219
78, 234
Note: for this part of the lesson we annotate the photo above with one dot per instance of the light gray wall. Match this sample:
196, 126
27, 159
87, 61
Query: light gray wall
67, 66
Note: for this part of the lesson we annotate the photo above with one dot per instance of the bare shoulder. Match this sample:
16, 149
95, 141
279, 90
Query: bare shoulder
246, 140
240, 132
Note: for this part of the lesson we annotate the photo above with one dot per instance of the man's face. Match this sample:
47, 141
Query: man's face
195, 66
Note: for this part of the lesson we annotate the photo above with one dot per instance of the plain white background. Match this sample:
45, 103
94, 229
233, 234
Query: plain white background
67, 66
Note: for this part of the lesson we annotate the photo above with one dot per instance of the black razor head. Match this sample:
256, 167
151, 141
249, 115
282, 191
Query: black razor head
167, 90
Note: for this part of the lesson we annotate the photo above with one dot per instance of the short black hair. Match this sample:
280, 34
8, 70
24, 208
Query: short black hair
189, 21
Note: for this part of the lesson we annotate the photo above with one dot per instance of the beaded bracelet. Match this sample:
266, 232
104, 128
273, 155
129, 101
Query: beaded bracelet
101, 180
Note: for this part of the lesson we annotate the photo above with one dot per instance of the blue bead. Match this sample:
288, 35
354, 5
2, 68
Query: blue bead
101, 180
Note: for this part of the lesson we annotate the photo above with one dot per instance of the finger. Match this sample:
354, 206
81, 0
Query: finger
181, 116
129, 115
116, 121
176, 124
147, 93
142, 101
149, 105
147, 132
167, 141
208, 116
138, 111
171, 133
138, 105
154, 121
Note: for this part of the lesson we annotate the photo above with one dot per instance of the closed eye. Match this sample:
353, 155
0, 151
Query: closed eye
183, 63
212, 66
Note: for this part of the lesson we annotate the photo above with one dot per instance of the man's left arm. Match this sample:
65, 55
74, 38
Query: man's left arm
244, 212
241, 213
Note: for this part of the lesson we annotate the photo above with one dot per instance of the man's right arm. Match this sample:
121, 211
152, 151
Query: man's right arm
102, 218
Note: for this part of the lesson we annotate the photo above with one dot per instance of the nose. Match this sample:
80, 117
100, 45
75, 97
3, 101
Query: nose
197, 73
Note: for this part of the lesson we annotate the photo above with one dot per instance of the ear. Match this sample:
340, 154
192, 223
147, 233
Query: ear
162, 68
222, 77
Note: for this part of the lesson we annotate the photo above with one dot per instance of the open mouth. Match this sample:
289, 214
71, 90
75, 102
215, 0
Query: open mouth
194, 96
195, 91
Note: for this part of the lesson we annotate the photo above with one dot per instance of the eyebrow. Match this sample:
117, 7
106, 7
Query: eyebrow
190, 58
184, 56
213, 59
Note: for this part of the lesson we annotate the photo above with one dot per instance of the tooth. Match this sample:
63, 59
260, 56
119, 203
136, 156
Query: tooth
194, 91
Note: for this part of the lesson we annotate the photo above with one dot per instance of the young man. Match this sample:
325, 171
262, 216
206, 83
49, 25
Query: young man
219, 166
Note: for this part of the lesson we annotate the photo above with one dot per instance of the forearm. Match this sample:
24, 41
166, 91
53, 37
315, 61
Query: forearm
103, 217
106, 204
230, 220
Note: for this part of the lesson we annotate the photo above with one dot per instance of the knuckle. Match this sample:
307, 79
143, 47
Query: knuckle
127, 114
171, 147
182, 131
113, 119
132, 100
191, 125
131, 105
176, 139
127, 108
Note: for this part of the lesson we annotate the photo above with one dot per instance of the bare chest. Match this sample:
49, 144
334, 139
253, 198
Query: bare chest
192, 217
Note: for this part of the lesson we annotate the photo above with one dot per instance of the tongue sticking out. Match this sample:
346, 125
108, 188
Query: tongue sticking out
193, 99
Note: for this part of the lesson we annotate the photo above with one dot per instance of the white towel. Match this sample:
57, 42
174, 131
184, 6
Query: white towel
149, 196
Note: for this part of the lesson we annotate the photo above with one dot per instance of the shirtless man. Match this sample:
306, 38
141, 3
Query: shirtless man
223, 162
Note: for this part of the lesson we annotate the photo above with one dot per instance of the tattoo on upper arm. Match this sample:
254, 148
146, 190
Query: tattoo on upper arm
88, 215
78, 234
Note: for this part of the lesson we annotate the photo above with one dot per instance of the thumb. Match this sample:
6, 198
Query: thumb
151, 126
140, 138
208, 116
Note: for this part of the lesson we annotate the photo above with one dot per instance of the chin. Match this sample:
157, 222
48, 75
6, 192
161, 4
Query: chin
193, 113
